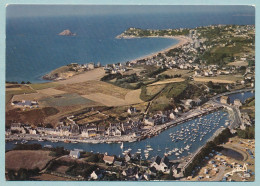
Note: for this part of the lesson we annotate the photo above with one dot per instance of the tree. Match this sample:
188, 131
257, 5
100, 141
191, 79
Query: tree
210, 84
28, 82
170, 176
11, 175
23, 174
22, 82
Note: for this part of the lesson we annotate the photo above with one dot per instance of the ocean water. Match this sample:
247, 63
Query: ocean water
33, 47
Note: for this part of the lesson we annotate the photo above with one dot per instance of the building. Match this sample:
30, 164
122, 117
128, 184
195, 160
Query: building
161, 164
237, 103
149, 121
96, 175
131, 110
74, 154
109, 159
91, 66
128, 157
225, 100
25, 103
172, 116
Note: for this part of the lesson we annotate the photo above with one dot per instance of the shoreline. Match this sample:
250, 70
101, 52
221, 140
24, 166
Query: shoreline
182, 41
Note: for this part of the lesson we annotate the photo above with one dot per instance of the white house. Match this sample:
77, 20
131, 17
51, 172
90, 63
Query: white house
161, 164
172, 116
95, 175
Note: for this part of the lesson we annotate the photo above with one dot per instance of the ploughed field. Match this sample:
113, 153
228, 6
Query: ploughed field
66, 96
27, 159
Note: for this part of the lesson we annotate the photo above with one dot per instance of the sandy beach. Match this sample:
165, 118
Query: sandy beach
182, 40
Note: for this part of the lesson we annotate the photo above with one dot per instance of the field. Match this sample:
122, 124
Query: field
28, 159
40, 86
93, 87
51, 91
91, 75
214, 80
22, 89
49, 177
133, 97
238, 63
152, 90
174, 80
88, 118
183, 73
63, 100
105, 99
30, 116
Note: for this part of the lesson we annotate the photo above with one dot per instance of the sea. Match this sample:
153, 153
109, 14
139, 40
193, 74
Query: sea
34, 48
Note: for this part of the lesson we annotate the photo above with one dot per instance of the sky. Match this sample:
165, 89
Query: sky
68, 10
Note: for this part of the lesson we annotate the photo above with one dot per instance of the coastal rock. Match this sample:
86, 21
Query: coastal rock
66, 33
50, 76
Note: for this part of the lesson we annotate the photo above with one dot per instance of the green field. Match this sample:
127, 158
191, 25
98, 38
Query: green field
40, 86
63, 100
22, 90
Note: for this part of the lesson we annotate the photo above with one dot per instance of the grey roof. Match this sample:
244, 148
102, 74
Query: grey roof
157, 160
118, 163
25, 103
165, 160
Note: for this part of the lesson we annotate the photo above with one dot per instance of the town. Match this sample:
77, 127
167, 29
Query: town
140, 99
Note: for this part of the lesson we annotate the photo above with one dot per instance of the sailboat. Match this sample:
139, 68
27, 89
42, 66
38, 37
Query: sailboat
122, 146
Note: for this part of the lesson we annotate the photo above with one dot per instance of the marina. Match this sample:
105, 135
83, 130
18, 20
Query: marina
176, 141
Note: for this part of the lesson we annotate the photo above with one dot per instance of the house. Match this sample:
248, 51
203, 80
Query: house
118, 163
101, 130
130, 171
197, 72
109, 159
172, 116
131, 110
237, 103
96, 175
32, 131
152, 171
225, 100
161, 164
24, 103
164, 164
156, 162
17, 127
128, 157
138, 176
188, 103
228, 87
91, 66
92, 133
149, 121
146, 176
74, 154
